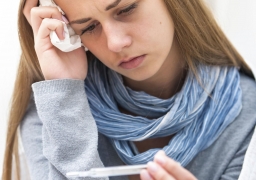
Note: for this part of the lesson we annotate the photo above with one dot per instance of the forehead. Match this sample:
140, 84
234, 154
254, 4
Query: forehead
76, 8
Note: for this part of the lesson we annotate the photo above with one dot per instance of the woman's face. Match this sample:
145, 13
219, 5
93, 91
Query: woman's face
116, 31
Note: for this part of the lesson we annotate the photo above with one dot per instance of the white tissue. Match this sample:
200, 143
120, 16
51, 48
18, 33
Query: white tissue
50, 3
71, 41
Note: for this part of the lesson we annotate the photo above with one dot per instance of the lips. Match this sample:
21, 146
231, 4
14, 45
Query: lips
132, 63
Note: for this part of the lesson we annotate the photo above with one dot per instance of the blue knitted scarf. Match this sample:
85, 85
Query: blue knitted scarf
196, 116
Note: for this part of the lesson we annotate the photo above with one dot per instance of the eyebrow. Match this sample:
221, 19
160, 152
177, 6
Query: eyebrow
84, 20
80, 21
114, 4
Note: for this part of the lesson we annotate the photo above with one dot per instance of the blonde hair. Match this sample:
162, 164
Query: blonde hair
200, 39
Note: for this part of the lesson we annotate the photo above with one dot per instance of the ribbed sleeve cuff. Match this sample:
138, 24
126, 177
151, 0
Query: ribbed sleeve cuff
60, 85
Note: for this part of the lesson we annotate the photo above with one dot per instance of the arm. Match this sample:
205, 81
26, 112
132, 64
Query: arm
234, 168
59, 134
248, 170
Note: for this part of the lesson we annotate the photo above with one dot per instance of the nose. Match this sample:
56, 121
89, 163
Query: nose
117, 37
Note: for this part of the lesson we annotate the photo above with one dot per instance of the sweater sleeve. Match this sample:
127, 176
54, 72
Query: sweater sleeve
58, 131
234, 168
249, 171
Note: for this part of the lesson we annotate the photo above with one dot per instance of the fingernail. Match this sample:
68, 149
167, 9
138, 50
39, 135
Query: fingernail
160, 158
65, 19
145, 175
152, 167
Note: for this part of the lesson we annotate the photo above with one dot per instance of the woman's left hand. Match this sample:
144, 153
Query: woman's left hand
164, 168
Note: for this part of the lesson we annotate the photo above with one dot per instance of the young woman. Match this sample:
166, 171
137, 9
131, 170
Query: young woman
159, 75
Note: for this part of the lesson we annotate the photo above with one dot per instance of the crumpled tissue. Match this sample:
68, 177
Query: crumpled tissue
71, 41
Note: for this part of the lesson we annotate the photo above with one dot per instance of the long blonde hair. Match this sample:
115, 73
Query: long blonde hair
200, 39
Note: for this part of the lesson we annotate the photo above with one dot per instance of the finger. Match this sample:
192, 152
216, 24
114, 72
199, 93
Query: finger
29, 4
144, 175
49, 25
158, 172
173, 167
40, 13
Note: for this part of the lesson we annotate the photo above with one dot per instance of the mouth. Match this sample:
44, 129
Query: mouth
131, 63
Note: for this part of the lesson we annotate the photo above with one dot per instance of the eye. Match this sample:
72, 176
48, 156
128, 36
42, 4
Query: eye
128, 9
125, 11
90, 29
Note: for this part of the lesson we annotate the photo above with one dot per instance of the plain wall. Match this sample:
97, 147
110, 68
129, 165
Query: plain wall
236, 17
238, 20
9, 57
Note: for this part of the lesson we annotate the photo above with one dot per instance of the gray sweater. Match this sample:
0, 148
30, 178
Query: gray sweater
60, 135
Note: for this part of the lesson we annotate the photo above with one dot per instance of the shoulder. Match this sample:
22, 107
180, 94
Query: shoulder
245, 122
243, 126
248, 86
247, 118
224, 158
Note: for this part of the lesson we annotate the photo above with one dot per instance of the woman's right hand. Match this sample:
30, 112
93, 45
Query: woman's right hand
54, 63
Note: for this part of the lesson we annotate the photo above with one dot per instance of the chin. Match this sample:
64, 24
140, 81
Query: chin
140, 76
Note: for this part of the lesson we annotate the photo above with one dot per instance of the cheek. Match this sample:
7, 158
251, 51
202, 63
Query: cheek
99, 49
95, 46
155, 30
155, 39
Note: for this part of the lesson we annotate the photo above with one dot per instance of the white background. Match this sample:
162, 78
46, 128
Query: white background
236, 17
9, 57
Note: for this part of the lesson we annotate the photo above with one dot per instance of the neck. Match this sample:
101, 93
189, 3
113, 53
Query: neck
167, 81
